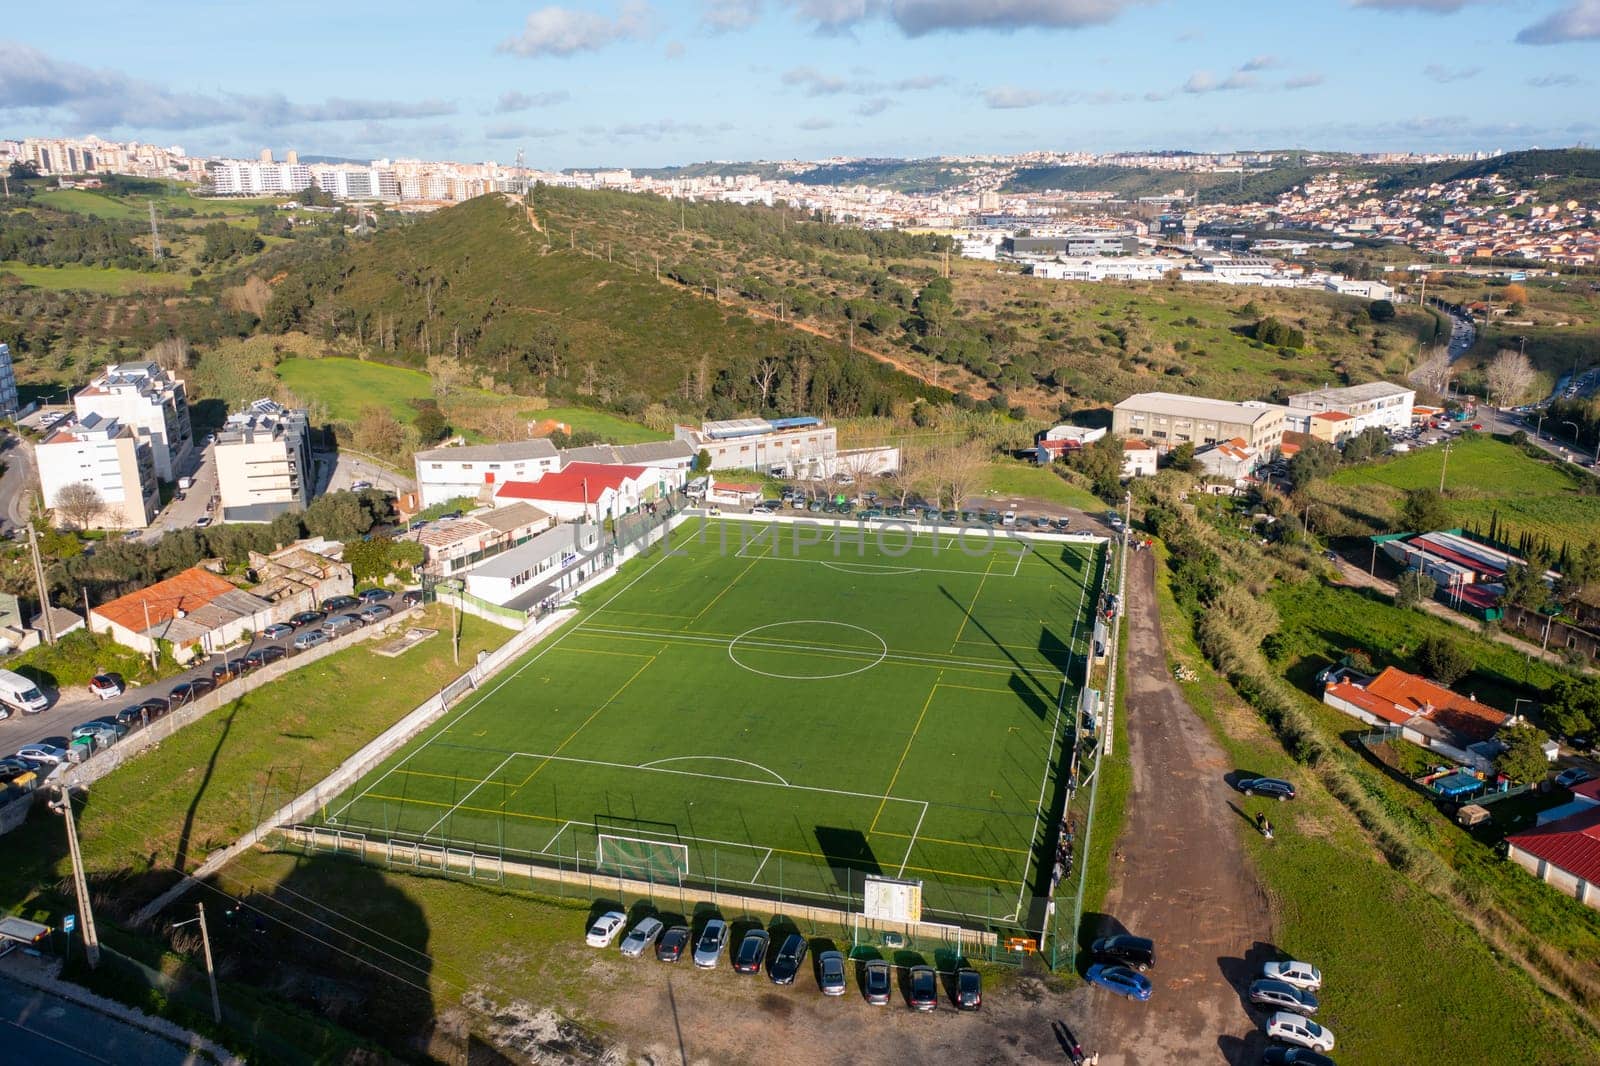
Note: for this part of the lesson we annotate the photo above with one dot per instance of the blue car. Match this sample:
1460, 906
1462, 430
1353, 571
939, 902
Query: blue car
1121, 980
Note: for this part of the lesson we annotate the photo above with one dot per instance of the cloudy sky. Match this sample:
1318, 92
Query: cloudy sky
654, 82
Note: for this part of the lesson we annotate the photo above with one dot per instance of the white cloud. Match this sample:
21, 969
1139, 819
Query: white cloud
916, 18
816, 123
1432, 7
1260, 63
1555, 81
1304, 81
876, 105
518, 131
1579, 21
726, 16
560, 31
1444, 75
1008, 98
815, 83
512, 100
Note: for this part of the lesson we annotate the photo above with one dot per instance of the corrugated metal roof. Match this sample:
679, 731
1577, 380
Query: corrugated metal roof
537, 448
1572, 844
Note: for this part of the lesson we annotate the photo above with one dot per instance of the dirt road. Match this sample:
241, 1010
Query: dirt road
1183, 878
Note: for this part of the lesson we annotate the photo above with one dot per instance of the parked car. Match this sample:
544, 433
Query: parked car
340, 624
374, 595
1267, 786
310, 639
1121, 980
271, 653
605, 929
969, 989
875, 982
109, 732
1281, 995
202, 522
787, 962
308, 618
1300, 974
411, 597
360, 486
830, 973
278, 630
752, 951
42, 753
157, 707
670, 947
640, 937
374, 613
225, 672
107, 686
334, 604
924, 993
1573, 775
708, 949
129, 716
189, 691
1294, 1056
1126, 950
1294, 1029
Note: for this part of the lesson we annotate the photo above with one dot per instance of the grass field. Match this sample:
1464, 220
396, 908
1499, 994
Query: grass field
780, 716
111, 281
1482, 476
1010, 477
83, 202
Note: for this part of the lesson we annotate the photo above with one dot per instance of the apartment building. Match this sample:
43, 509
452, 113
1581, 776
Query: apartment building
8, 384
150, 402
1377, 403
1167, 420
110, 458
264, 463
236, 177
445, 474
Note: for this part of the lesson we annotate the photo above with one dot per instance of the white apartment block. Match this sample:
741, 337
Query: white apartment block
475, 471
105, 454
1377, 403
264, 463
234, 177
8, 384
785, 447
151, 403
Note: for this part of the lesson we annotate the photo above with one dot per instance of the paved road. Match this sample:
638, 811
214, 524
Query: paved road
16, 484
36, 1027
349, 469
1184, 880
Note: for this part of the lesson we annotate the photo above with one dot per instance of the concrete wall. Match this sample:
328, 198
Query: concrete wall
1556, 878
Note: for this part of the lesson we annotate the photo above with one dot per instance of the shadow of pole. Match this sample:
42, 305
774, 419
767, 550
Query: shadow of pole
181, 854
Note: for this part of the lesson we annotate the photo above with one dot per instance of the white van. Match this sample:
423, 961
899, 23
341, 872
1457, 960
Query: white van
17, 693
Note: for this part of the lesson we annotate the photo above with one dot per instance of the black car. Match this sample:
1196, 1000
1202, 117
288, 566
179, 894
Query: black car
1125, 950
924, 995
130, 716
752, 951
227, 671
875, 982
1294, 1056
1267, 786
189, 691
786, 964
306, 619
340, 603
411, 598
374, 595
969, 989
670, 947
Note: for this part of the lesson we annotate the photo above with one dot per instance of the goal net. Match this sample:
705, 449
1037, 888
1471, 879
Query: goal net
657, 860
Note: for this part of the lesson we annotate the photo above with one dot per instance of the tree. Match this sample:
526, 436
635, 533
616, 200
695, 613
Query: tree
1279, 334
172, 354
1414, 588
1315, 459
1433, 373
957, 469
702, 462
1101, 463
1368, 444
1525, 584
1443, 660
1524, 760
379, 432
79, 503
1516, 295
1509, 377
1182, 457
1573, 706
429, 423
1381, 311
344, 516
1424, 511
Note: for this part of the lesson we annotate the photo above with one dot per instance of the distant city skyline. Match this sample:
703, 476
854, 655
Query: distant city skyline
639, 83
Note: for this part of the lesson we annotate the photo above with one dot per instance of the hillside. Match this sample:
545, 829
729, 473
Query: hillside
1134, 182
530, 311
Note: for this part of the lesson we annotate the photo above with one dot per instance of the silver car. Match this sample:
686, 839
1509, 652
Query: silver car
830, 973
640, 937
708, 949
1281, 995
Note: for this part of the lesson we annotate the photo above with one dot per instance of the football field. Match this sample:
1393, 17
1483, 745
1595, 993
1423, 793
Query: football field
783, 715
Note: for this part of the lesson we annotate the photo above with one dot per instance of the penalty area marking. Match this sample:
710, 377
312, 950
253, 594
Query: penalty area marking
715, 758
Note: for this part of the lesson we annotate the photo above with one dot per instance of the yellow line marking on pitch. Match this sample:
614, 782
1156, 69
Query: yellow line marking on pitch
967, 615
909, 741
574, 734
953, 843
753, 561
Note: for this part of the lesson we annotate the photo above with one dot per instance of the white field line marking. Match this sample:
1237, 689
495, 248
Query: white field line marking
429, 831
756, 877
716, 758
913, 842
774, 645
568, 824
441, 728
1050, 754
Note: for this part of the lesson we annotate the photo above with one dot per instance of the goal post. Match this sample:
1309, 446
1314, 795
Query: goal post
641, 856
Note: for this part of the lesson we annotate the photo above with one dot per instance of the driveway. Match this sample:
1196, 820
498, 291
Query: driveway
1183, 879
349, 469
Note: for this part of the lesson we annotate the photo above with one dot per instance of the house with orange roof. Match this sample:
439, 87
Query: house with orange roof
1427, 714
196, 612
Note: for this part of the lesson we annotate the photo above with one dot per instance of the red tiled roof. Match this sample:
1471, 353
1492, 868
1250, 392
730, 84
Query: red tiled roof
1398, 697
1332, 416
188, 592
1571, 843
568, 484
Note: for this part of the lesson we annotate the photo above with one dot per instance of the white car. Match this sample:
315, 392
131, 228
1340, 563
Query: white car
1009, 519
1300, 974
1293, 1029
45, 753
708, 949
640, 937
605, 929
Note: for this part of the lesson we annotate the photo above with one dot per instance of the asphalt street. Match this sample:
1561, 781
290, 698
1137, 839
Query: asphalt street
38, 1027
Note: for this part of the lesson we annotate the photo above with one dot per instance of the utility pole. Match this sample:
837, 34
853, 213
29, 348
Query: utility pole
155, 234
91, 940
44, 591
1444, 463
154, 667
211, 970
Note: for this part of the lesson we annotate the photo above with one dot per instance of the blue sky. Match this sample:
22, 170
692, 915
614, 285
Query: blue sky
656, 82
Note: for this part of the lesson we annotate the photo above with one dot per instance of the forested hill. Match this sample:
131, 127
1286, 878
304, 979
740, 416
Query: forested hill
558, 312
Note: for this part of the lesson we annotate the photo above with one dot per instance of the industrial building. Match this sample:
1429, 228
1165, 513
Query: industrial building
1168, 420
1376, 403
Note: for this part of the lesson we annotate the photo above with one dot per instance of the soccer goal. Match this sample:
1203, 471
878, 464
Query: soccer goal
658, 860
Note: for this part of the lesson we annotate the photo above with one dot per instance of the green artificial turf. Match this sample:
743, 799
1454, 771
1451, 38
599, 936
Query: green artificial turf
777, 716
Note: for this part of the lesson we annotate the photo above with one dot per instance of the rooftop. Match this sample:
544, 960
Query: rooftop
555, 541
1179, 406
1372, 390
648, 452
1571, 844
1399, 697
511, 451
513, 517
575, 483
176, 599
